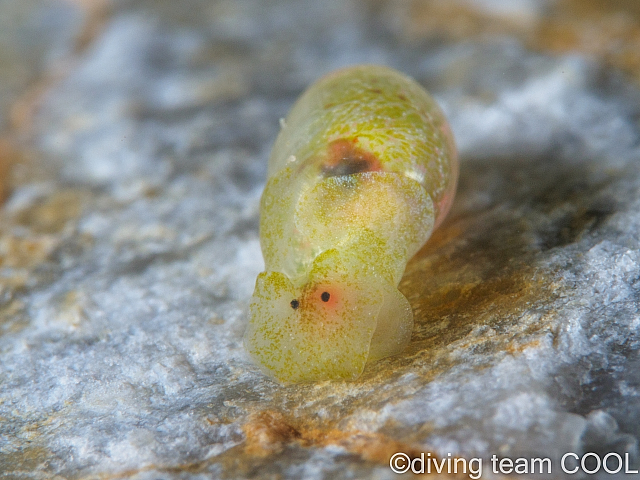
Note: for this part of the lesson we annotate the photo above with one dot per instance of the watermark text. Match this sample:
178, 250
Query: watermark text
570, 463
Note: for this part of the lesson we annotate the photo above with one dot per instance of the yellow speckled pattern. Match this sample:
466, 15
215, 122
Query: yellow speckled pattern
363, 169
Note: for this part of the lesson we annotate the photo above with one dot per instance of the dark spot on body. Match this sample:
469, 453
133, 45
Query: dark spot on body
325, 296
403, 97
295, 304
347, 167
346, 158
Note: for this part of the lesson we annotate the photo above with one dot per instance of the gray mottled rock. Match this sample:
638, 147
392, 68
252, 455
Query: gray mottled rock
127, 266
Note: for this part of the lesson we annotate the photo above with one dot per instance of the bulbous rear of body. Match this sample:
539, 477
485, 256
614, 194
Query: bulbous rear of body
362, 171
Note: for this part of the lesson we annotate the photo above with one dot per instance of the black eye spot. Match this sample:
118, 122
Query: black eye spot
295, 304
325, 296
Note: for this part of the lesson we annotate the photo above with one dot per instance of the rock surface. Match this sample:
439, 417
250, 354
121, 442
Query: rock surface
129, 244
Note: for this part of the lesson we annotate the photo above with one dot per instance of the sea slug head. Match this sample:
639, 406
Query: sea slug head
317, 328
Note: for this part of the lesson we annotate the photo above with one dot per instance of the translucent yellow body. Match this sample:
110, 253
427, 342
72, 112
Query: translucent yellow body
362, 171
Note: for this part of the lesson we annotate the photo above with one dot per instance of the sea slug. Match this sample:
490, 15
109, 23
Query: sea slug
363, 170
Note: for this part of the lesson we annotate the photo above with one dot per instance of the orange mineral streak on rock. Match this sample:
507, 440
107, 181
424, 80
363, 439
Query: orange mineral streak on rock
458, 20
269, 435
268, 432
29, 237
97, 13
467, 295
606, 30
51, 214
6, 158
13, 317
22, 112
609, 31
